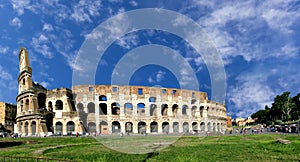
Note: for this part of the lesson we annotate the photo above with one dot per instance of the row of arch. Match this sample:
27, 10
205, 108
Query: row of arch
115, 109
30, 128
166, 127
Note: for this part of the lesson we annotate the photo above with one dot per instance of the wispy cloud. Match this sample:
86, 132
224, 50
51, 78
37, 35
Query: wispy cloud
16, 22
41, 45
85, 10
3, 49
157, 77
47, 27
128, 41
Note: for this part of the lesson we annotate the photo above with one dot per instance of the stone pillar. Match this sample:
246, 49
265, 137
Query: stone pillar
109, 127
159, 127
29, 128
123, 127
148, 127
135, 127
64, 128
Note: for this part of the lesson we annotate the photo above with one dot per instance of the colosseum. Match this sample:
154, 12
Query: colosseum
112, 109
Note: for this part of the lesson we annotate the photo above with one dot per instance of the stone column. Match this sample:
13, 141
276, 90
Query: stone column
135, 127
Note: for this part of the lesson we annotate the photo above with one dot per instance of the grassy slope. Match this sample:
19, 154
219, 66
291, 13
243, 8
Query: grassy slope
223, 148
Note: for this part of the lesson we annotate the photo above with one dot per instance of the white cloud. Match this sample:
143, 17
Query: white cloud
16, 22
133, 3
45, 84
157, 77
85, 10
41, 45
128, 41
4, 75
19, 5
3, 50
47, 27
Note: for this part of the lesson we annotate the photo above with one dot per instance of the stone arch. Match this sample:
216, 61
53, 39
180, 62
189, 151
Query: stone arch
128, 108
33, 128
128, 127
115, 108
175, 127
185, 127
141, 108
59, 105
92, 127
209, 127
102, 98
152, 99
201, 111
184, 109
116, 127
58, 128
50, 106
80, 107
49, 122
103, 127
141, 127
194, 111
193, 101
153, 110
21, 105
164, 110
195, 126
153, 127
103, 109
202, 126
165, 127
26, 128
70, 127
41, 101
26, 104
91, 107
175, 109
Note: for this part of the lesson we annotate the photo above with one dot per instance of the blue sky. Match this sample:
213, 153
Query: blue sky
258, 42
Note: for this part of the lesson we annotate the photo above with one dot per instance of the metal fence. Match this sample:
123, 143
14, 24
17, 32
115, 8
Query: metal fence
30, 159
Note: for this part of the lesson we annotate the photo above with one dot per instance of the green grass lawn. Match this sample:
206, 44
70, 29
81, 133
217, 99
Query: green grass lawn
261, 147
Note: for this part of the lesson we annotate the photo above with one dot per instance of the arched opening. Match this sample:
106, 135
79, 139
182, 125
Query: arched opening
184, 109
176, 127
185, 127
102, 98
50, 106
128, 127
91, 107
141, 109
49, 122
195, 126
152, 99
26, 128
214, 127
164, 109
202, 126
103, 109
41, 101
115, 108
175, 109
92, 127
21, 105
33, 128
218, 127
193, 101
116, 127
201, 111
58, 128
141, 127
26, 104
194, 110
128, 108
153, 127
80, 107
165, 127
70, 127
58, 105
153, 109
209, 127
103, 127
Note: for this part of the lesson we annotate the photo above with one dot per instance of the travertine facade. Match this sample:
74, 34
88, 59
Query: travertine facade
138, 109
8, 115
110, 109
38, 108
